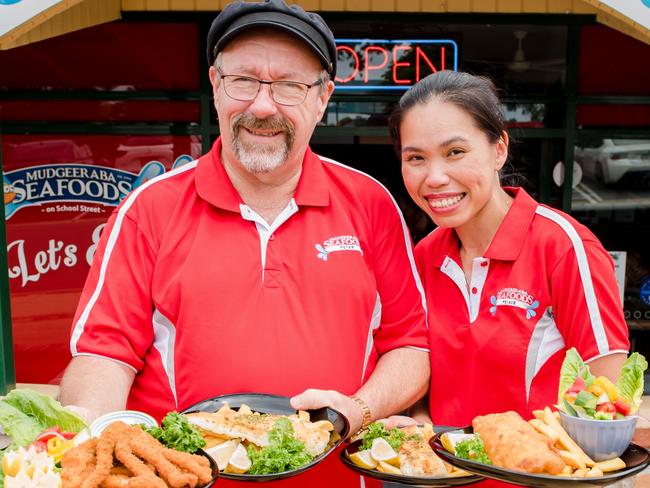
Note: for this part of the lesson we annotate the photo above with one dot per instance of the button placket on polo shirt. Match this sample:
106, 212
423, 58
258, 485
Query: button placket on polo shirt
479, 275
270, 274
452, 269
471, 293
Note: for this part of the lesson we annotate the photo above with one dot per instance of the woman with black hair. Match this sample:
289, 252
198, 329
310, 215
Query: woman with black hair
511, 284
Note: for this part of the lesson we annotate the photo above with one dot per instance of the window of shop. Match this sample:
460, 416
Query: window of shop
527, 62
612, 162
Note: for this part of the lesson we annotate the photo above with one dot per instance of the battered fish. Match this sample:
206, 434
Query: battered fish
512, 443
255, 427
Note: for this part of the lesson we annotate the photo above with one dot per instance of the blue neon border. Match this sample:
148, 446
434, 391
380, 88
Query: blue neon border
396, 41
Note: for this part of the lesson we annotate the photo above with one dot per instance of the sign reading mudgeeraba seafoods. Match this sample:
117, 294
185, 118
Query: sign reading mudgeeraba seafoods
58, 193
380, 64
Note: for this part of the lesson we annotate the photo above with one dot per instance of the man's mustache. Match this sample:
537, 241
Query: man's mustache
251, 122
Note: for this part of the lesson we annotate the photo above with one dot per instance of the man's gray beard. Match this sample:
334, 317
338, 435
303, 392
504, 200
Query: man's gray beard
261, 158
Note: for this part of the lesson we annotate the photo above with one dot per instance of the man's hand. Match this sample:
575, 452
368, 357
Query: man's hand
397, 421
86, 414
311, 399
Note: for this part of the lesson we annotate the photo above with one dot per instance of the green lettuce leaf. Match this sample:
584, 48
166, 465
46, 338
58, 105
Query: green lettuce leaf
284, 453
22, 428
45, 410
630, 381
571, 368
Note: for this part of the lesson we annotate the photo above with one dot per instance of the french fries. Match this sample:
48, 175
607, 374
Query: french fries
572, 459
457, 473
566, 441
610, 465
542, 428
580, 473
594, 473
578, 463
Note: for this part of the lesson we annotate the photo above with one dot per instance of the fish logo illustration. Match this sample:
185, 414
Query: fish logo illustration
337, 244
514, 297
9, 193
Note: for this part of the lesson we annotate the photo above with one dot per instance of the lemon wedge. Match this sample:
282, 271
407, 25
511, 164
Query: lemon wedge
450, 439
381, 451
239, 462
363, 459
387, 468
221, 453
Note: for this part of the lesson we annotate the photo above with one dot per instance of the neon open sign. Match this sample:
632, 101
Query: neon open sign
379, 64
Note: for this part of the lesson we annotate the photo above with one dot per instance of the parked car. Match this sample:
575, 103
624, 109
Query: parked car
615, 159
49, 151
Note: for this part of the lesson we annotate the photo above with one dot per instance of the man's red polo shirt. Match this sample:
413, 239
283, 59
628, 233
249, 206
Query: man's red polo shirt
544, 285
200, 297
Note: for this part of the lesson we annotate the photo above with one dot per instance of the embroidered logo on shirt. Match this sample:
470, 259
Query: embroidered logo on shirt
514, 297
340, 243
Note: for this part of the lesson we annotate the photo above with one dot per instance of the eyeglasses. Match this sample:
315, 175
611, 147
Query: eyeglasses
245, 89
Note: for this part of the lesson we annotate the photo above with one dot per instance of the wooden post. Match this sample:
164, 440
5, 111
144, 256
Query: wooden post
7, 372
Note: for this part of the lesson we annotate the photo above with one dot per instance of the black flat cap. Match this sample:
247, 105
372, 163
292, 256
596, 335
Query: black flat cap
239, 16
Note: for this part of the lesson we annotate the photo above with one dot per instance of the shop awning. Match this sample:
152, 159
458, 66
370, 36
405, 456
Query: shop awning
26, 21
627, 16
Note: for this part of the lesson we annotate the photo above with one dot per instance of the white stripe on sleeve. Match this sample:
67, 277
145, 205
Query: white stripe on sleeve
78, 329
585, 276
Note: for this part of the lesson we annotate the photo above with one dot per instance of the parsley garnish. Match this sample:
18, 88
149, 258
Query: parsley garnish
473, 450
375, 430
177, 433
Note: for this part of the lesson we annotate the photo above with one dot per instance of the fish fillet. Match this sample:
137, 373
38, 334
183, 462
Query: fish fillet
512, 443
417, 458
255, 427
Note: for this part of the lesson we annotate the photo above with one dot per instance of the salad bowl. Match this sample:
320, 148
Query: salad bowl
600, 439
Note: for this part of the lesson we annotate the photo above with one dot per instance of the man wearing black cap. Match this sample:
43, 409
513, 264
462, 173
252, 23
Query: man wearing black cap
261, 266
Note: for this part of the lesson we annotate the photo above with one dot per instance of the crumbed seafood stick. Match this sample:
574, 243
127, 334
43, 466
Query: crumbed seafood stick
78, 463
119, 477
141, 482
121, 470
198, 465
168, 471
125, 455
116, 481
104, 455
